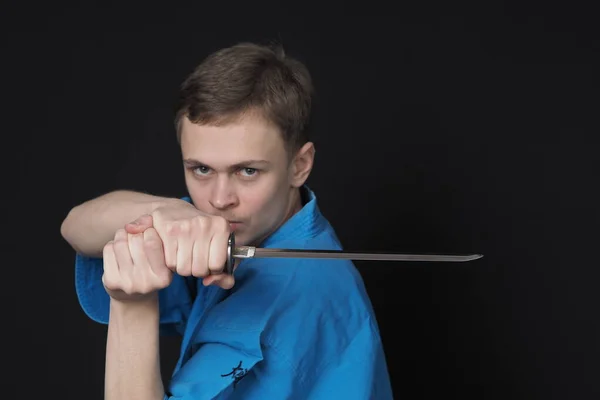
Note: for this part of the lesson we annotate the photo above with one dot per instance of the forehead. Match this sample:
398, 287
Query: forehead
246, 139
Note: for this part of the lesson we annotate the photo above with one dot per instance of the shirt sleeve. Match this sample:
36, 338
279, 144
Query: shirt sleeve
175, 301
271, 338
227, 356
220, 370
358, 372
217, 370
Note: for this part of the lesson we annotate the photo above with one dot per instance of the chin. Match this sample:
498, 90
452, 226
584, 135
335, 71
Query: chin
240, 238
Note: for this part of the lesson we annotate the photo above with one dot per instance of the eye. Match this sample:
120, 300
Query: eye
249, 172
201, 170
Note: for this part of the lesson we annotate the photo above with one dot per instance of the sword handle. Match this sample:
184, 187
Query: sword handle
230, 259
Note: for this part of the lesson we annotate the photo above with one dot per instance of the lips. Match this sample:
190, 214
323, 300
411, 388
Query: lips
234, 225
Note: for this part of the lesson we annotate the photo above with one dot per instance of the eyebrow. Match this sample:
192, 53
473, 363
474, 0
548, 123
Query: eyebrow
242, 164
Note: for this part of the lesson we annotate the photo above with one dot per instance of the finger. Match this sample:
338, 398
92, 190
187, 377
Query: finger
222, 280
124, 261
170, 245
217, 256
184, 255
227, 282
141, 274
153, 247
139, 225
110, 276
156, 257
121, 250
137, 250
200, 259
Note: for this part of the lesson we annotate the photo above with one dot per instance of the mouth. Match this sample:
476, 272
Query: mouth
234, 225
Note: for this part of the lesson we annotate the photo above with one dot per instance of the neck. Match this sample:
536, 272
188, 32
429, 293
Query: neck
295, 202
294, 205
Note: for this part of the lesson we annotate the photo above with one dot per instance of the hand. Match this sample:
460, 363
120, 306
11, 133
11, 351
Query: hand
195, 243
134, 265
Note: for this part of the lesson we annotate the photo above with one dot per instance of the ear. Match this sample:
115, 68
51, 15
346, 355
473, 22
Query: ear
302, 164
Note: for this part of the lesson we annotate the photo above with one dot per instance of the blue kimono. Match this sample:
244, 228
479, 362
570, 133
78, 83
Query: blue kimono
288, 329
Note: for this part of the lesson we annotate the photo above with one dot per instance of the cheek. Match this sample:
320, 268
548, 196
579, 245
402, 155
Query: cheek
263, 199
256, 201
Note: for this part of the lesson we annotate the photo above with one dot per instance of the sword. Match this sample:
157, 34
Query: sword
241, 252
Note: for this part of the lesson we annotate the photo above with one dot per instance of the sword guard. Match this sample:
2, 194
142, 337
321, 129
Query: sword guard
230, 260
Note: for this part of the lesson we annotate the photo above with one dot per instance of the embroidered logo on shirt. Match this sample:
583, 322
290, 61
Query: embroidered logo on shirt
237, 373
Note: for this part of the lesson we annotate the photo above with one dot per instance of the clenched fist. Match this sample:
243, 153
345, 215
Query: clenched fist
134, 265
194, 243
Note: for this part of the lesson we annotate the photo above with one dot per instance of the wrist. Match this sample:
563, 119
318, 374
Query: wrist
166, 202
135, 310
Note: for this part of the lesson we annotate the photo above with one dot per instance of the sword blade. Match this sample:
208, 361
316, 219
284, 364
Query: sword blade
255, 252
240, 252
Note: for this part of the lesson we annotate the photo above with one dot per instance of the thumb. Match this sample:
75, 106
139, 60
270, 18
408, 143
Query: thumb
139, 225
224, 281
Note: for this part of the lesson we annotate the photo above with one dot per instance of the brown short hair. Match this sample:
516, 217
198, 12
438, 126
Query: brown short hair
250, 78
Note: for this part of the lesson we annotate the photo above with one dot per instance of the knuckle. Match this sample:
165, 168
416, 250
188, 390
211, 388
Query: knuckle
135, 238
200, 271
172, 228
127, 287
170, 258
204, 221
150, 233
221, 224
198, 224
216, 267
120, 241
109, 283
182, 270
152, 243
145, 287
164, 280
108, 246
185, 226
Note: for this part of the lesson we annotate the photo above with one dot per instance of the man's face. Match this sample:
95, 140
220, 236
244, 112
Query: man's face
239, 171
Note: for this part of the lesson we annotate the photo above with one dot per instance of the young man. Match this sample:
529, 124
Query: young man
145, 265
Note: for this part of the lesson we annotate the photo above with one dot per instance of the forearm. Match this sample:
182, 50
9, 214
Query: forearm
89, 226
132, 352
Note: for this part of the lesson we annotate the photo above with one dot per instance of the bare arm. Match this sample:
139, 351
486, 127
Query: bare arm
135, 270
132, 351
90, 225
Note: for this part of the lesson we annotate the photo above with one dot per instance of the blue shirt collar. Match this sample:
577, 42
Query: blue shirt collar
306, 223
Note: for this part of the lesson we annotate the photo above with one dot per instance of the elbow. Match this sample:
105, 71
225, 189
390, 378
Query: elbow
66, 227
71, 231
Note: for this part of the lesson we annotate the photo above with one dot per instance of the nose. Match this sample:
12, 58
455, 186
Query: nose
223, 194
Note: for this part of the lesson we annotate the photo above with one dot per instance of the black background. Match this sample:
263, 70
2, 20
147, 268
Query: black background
440, 129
